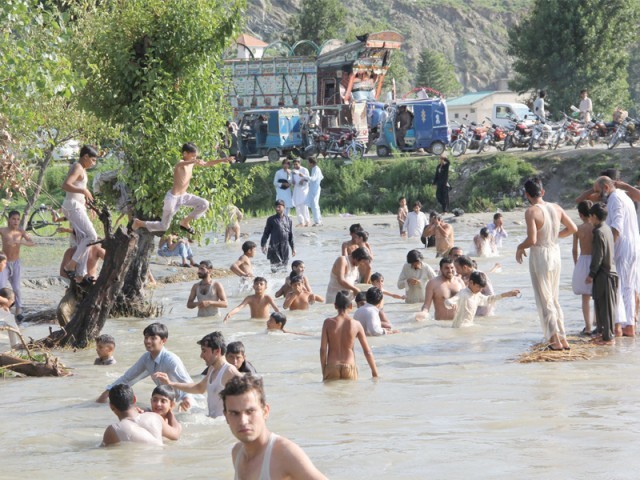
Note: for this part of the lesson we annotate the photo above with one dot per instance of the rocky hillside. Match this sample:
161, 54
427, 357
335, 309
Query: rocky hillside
472, 33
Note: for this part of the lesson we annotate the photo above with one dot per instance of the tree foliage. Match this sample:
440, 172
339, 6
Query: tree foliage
564, 46
154, 67
318, 21
435, 71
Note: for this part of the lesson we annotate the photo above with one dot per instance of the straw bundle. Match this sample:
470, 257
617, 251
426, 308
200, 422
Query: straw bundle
581, 349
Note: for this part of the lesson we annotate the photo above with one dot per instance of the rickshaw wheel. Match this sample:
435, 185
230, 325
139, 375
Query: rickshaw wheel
382, 151
437, 148
273, 155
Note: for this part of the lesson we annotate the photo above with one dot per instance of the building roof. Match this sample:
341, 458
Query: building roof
468, 99
249, 41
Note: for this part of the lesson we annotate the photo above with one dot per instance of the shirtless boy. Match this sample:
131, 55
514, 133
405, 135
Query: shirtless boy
298, 298
443, 233
259, 302
242, 267
163, 401
178, 197
440, 288
339, 334
355, 242
260, 453
212, 351
13, 237
133, 426
581, 251
207, 295
297, 268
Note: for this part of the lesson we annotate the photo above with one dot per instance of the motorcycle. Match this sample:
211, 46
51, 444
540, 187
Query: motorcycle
518, 135
541, 134
461, 137
345, 144
627, 131
495, 136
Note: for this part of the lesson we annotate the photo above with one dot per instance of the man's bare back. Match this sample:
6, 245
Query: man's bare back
585, 238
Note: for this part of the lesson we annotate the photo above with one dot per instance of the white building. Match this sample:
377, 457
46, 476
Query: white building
250, 47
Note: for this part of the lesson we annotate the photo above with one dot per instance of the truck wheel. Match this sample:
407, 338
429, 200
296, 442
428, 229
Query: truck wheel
437, 148
382, 151
273, 155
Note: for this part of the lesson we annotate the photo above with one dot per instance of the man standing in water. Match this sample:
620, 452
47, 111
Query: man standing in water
279, 232
543, 221
441, 288
260, 453
623, 222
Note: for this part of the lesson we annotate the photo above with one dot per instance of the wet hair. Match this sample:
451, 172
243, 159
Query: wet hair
248, 245
445, 260
612, 173
243, 384
416, 204
497, 216
377, 277
533, 187
3, 257
360, 254
342, 300
296, 263
259, 279
7, 293
414, 256
121, 396
478, 278
159, 329
296, 279
402, 198
189, 147
215, 341
88, 150
599, 210
374, 296
206, 264
165, 391
464, 261
361, 297
235, 347
363, 235
279, 318
450, 252
356, 227
542, 94
13, 213
584, 207
484, 232
105, 339
432, 214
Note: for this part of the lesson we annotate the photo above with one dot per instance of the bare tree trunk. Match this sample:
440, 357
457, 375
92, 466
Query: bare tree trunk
37, 189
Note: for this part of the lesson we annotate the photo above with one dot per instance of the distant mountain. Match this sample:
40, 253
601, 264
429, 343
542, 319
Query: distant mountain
471, 33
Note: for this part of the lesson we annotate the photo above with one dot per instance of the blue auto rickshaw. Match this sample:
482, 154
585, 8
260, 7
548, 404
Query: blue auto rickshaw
271, 132
429, 127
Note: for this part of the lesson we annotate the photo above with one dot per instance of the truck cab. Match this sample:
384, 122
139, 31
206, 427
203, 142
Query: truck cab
503, 114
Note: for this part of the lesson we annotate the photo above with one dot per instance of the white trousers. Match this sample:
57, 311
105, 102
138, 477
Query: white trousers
172, 204
85, 234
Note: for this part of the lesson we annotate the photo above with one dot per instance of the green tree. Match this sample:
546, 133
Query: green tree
318, 21
153, 67
435, 71
564, 46
37, 86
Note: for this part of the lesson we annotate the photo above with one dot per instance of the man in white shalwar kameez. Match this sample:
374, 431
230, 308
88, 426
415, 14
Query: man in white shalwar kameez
624, 225
300, 193
543, 221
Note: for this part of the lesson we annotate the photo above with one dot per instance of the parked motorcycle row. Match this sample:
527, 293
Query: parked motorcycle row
548, 135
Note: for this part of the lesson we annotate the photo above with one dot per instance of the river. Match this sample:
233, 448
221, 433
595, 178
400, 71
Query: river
449, 403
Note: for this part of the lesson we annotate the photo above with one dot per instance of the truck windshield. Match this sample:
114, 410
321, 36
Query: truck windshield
523, 111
